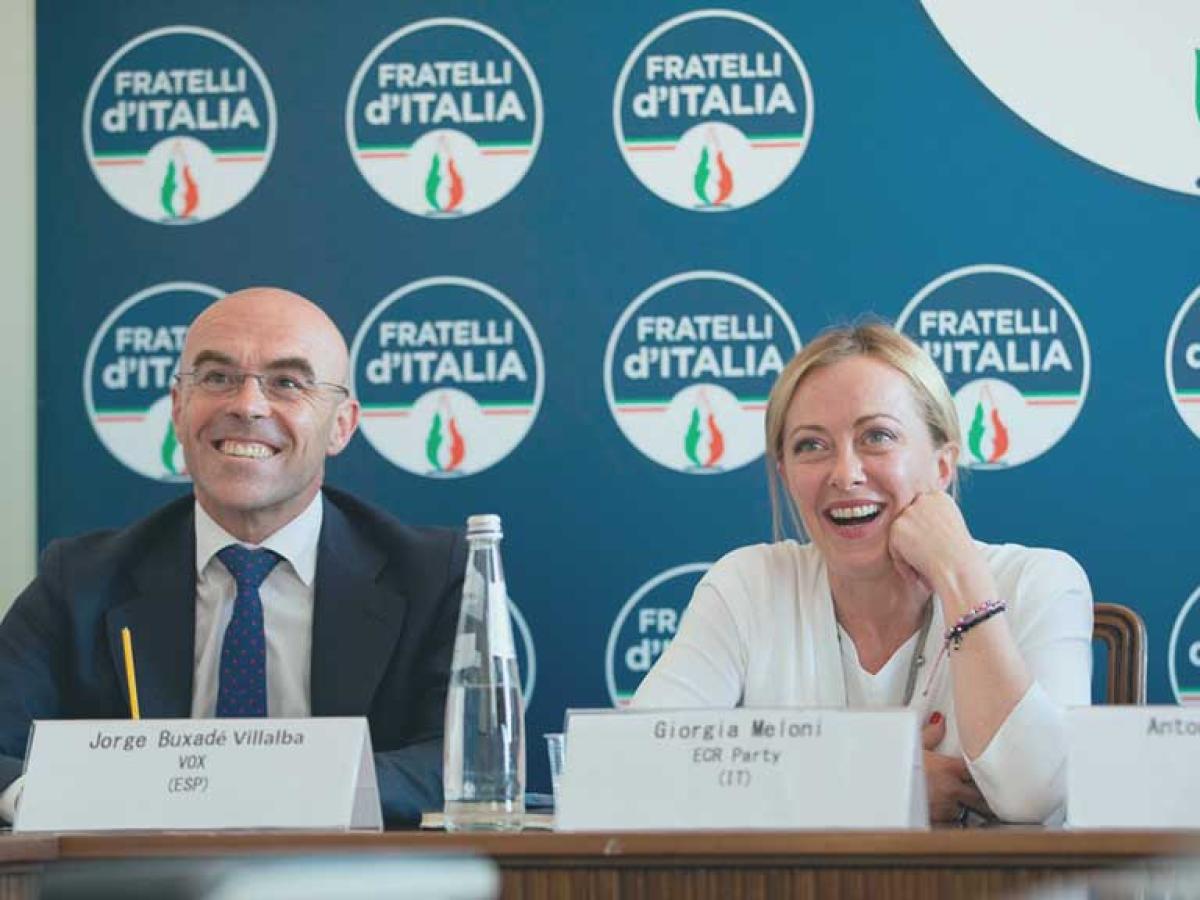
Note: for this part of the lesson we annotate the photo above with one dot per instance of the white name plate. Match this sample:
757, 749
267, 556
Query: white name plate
1133, 767
199, 774
742, 768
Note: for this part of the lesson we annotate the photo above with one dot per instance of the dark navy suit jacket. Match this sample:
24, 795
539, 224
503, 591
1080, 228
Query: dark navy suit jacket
386, 599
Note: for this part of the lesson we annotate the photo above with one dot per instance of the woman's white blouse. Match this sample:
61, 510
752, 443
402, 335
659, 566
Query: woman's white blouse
760, 632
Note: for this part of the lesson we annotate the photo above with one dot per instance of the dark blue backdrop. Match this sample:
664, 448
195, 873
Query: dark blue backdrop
913, 169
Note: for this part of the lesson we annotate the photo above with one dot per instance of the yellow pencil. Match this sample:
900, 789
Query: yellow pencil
130, 676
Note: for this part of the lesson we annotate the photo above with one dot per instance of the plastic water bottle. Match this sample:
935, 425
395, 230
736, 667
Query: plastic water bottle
484, 757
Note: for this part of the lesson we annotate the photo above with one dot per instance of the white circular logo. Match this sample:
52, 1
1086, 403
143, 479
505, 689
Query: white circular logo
1013, 353
1183, 653
645, 626
1116, 82
449, 373
1183, 362
713, 110
179, 125
127, 376
689, 366
444, 117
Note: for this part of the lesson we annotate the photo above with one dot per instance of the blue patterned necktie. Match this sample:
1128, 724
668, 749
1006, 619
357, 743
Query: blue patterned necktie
243, 679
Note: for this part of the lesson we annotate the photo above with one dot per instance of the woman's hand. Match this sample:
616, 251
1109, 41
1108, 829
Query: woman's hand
929, 544
948, 782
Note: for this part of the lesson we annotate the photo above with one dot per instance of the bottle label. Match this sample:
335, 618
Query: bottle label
499, 622
465, 654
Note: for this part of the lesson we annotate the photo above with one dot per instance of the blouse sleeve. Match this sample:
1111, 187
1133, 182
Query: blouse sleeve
1022, 771
705, 663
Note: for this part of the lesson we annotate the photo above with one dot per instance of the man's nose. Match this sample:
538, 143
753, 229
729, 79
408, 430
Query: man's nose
250, 398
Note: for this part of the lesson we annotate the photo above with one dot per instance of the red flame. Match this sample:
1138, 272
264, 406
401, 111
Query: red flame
1000, 437
191, 193
458, 447
716, 441
456, 185
724, 180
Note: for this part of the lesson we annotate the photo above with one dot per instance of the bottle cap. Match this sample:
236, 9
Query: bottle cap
485, 525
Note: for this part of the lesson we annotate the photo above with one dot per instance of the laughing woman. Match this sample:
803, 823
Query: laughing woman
890, 602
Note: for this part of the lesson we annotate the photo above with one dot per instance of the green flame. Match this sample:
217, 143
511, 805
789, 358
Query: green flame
433, 442
700, 180
167, 450
167, 195
692, 440
433, 181
975, 434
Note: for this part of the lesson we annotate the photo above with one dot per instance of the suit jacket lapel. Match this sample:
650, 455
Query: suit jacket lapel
161, 617
355, 620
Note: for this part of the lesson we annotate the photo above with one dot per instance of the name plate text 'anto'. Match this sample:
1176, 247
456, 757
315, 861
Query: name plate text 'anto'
103, 775
1133, 767
742, 768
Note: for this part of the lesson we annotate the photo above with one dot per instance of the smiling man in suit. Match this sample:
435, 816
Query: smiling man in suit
265, 593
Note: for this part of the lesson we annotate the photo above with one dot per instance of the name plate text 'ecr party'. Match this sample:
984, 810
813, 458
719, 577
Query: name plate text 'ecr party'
742, 768
103, 775
1133, 767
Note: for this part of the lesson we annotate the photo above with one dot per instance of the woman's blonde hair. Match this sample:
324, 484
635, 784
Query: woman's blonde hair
877, 340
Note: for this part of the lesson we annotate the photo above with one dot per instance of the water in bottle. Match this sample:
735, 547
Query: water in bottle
484, 756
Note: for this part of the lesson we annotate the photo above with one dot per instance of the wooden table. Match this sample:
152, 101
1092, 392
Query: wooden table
940, 863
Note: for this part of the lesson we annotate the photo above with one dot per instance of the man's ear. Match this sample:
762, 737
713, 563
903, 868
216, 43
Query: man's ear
345, 423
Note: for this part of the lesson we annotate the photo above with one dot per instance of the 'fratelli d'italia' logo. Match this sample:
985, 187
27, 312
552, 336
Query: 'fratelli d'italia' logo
449, 373
645, 626
713, 110
1183, 652
1013, 353
127, 376
444, 117
179, 125
1183, 362
688, 368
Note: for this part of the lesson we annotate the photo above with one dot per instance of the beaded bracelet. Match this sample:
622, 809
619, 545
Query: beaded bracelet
971, 618
954, 636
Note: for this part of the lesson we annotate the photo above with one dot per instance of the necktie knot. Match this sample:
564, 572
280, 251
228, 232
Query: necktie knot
249, 568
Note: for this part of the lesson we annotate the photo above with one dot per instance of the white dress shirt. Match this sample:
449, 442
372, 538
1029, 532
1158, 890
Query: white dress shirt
287, 600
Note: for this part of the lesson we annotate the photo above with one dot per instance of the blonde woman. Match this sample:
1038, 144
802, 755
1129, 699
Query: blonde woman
887, 600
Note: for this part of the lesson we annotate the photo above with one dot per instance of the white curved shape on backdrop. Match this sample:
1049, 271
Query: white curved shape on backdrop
1111, 80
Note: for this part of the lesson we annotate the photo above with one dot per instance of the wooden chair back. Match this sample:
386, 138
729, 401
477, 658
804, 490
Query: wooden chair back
1124, 634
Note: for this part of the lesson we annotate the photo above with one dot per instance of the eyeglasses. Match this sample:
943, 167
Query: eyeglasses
283, 387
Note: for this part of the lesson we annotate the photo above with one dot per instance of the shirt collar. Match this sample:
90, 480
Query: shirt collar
296, 541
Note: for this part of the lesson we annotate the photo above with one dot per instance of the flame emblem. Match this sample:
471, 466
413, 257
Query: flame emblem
713, 179
699, 424
444, 455
168, 449
444, 187
179, 194
984, 422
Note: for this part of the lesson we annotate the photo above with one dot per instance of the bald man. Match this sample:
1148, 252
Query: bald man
342, 610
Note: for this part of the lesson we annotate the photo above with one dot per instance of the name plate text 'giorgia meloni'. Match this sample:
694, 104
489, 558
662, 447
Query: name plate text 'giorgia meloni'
106, 775
742, 768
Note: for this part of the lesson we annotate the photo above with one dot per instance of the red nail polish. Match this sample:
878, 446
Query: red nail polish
935, 719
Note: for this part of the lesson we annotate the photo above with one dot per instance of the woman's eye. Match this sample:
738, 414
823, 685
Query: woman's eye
878, 436
806, 445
